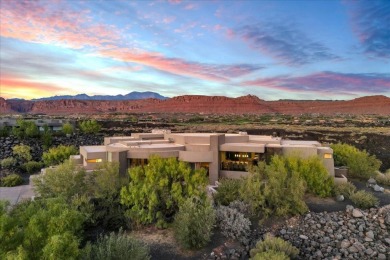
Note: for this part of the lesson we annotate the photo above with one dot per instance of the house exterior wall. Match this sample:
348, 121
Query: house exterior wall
202, 148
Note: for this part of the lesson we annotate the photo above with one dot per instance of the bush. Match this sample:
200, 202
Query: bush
275, 244
240, 206
67, 128
23, 152
32, 166
8, 163
90, 127
47, 140
59, 154
4, 131
194, 223
233, 224
116, 246
156, 190
318, 181
346, 189
364, 199
383, 178
228, 191
40, 229
361, 165
11, 180
270, 255
274, 189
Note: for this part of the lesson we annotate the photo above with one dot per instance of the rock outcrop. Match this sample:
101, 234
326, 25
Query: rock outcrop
249, 104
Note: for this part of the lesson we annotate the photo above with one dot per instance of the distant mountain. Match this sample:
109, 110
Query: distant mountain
379, 105
135, 95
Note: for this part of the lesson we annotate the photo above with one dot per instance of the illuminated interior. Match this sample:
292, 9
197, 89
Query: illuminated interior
133, 162
239, 161
94, 160
328, 156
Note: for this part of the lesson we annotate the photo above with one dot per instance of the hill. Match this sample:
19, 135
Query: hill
250, 104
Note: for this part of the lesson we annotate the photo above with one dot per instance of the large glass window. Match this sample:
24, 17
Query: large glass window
239, 161
133, 162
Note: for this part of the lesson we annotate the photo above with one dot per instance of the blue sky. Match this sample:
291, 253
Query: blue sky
272, 49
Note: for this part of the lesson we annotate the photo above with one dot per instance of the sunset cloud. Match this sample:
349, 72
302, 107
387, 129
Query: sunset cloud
213, 72
371, 23
327, 81
284, 43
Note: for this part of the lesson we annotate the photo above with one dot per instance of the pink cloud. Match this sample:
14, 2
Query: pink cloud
328, 82
175, 2
43, 25
169, 19
190, 7
65, 27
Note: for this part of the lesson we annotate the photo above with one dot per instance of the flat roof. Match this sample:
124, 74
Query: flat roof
95, 148
167, 145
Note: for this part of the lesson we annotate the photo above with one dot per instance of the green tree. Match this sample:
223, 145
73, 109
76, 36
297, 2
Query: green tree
25, 128
361, 164
156, 190
40, 229
22, 152
65, 181
194, 223
59, 154
274, 189
46, 137
90, 126
67, 128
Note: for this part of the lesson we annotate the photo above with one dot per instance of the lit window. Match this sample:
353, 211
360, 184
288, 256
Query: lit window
94, 160
327, 156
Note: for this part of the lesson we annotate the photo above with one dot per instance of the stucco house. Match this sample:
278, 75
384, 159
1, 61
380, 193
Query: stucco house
222, 155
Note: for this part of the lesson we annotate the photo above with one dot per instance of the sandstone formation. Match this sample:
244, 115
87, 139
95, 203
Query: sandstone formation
249, 104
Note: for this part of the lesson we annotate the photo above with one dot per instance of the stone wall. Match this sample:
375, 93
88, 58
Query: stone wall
36, 144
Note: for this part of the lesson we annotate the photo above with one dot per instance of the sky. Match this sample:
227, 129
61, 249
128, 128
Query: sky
281, 49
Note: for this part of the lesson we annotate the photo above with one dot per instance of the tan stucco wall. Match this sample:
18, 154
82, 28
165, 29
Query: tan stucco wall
328, 163
232, 174
189, 156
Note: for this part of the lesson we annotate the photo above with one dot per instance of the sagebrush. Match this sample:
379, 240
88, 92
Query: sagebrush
118, 246
233, 224
364, 199
275, 244
346, 189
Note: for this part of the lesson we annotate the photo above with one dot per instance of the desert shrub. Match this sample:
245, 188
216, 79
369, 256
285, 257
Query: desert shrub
364, 199
383, 178
346, 189
156, 190
275, 244
90, 126
59, 154
361, 164
270, 255
25, 128
233, 224
318, 181
22, 152
240, 206
67, 128
194, 223
64, 181
228, 191
8, 163
118, 246
47, 140
4, 131
252, 188
32, 167
11, 180
40, 229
